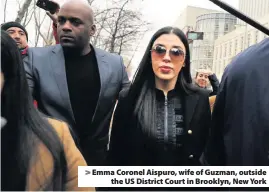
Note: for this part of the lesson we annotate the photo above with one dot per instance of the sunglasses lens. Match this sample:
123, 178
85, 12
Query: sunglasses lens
160, 50
176, 53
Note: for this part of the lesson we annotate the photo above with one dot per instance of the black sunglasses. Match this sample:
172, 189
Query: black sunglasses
174, 53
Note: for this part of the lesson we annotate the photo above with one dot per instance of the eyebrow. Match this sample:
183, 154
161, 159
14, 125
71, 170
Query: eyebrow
12, 30
68, 18
174, 46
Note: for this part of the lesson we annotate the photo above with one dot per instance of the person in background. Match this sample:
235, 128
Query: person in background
19, 34
240, 119
37, 153
205, 77
76, 82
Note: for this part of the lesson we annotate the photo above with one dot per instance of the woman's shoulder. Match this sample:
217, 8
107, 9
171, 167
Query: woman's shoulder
73, 156
44, 161
59, 126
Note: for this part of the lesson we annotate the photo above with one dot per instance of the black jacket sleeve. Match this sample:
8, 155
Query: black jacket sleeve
118, 145
215, 152
214, 83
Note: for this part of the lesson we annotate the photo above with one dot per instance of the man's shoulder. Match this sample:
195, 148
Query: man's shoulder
113, 58
43, 50
251, 59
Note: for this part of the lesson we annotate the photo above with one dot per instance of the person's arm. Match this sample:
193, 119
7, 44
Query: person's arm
55, 35
118, 145
29, 69
125, 83
215, 151
54, 17
73, 159
214, 83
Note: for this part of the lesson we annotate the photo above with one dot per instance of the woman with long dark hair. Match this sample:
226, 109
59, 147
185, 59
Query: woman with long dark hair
162, 119
36, 153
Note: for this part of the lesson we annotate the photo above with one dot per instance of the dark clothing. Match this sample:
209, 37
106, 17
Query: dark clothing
84, 87
169, 121
214, 83
187, 118
47, 79
240, 129
130, 145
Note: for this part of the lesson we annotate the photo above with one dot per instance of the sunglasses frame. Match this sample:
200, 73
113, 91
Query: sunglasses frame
171, 54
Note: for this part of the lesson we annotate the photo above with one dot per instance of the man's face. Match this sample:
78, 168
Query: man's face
74, 27
19, 36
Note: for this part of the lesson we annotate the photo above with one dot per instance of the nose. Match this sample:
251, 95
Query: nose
16, 36
67, 26
166, 57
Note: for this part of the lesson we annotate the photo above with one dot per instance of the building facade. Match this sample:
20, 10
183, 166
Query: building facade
255, 9
214, 25
187, 22
187, 18
228, 46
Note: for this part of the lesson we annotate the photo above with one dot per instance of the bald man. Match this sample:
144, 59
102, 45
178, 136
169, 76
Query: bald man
76, 82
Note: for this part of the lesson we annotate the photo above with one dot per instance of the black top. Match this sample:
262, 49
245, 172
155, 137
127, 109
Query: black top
84, 86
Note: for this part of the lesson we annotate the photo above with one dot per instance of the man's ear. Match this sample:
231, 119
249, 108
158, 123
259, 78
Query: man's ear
92, 30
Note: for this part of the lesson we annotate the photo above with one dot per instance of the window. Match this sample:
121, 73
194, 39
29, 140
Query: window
230, 48
225, 50
216, 35
216, 53
235, 46
242, 43
248, 42
226, 27
256, 36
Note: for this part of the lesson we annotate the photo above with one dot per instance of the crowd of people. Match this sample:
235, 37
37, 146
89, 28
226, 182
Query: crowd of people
57, 103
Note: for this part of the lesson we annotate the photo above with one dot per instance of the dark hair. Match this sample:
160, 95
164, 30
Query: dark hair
142, 90
25, 127
197, 73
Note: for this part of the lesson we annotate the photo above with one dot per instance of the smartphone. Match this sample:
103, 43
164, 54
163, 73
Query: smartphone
47, 5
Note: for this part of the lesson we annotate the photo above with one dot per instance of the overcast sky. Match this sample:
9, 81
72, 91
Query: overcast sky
158, 12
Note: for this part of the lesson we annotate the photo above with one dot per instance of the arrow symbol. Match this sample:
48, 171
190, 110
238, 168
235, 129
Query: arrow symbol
87, 172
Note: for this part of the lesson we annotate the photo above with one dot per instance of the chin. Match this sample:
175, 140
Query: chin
68, 45
165, 77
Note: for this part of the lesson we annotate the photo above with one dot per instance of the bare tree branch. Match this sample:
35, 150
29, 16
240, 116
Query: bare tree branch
112, 47
119, 28
23, 10
5, 11
90, 2
19, 4
38, 24
27, 21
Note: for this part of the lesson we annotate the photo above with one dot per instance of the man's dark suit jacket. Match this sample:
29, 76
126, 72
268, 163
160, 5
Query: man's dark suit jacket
240, 132
46, 75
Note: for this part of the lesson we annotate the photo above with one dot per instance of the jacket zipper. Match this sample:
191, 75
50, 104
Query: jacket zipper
165, 120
